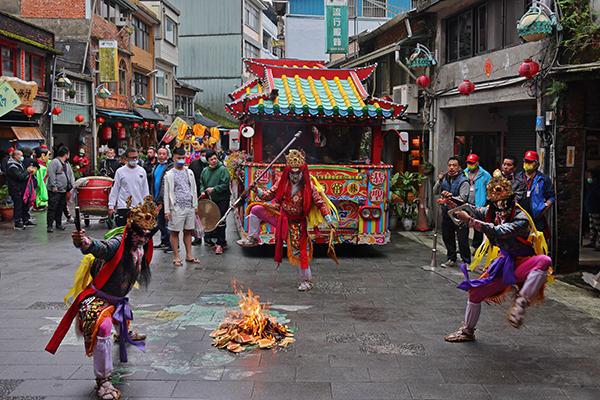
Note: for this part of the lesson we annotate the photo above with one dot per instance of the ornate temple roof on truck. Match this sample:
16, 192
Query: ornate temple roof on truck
305, 89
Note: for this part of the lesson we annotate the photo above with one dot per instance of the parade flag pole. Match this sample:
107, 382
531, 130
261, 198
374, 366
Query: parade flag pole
245, 192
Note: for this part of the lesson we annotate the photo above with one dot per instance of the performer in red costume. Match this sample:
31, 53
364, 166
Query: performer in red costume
106, 275
295, 195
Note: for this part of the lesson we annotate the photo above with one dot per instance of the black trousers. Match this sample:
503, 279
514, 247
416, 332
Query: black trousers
451, 232
162, 226
219, 233
57, 201
477, 239
21, 215
121, 216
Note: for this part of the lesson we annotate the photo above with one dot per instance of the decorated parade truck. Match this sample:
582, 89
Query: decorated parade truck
340, 125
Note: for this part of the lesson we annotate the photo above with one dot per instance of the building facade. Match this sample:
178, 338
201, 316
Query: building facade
27, 54
305, 23
166, 59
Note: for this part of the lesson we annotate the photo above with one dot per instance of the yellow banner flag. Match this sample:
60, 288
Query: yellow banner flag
179, 125
109, 61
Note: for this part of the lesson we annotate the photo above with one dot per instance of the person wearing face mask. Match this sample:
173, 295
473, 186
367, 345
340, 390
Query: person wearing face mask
478, 180
197, 166
214, 184
17, 180
296, 196
81, 164
110, 164
150, 163
130, 181
60, 182
180, 203
521, 260
157, 187
539, 195
453, 184
112, 267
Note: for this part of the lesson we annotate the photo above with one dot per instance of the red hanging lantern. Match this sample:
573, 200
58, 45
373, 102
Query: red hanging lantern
466, 87
79, 118
135, 125
423, 81
28, 111
159, 125
106, 133
122, 134
145, 123
56, 110
529, 68
151, 126
100, 120
118, 125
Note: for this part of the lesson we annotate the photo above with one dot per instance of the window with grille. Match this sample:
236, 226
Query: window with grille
34, 69
374, 8
351, 8
251, 17
8, 61
140, 85
251, 51
161, 81
466, 33
81, 96
142, 34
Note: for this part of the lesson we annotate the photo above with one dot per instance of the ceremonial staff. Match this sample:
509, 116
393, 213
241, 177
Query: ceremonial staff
257, 179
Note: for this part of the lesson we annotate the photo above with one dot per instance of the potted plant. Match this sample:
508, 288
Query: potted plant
6, 204
404, 187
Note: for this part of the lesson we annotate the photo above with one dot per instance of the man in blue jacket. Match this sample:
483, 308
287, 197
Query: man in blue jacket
478, 180
539, 196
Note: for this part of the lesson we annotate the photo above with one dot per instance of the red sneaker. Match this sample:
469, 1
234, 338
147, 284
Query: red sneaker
218, 250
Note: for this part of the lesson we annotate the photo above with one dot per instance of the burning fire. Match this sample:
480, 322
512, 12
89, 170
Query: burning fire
251, 326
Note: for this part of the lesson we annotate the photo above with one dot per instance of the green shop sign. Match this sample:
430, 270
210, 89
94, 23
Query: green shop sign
336, 20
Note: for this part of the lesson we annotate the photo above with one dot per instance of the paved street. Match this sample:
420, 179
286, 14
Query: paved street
371, 329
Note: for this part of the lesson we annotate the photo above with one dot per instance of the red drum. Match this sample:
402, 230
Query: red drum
92, 194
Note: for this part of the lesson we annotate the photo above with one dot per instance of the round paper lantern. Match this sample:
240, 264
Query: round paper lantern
466, 87
121, 134
423, 81
100, 120
160, 125
118, 125
56, 110
106, 133
151, 126
145, 123
29, 111
135, 125
79, 118
529, 68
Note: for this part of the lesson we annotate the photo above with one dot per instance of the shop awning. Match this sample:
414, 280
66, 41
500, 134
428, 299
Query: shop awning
21, 133
118, 114
148, 114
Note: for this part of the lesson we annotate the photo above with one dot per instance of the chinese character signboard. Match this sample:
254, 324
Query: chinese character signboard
336, 26
109, 61
26, 90
9, 99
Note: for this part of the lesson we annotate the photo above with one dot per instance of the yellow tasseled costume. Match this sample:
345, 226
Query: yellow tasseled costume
82, 278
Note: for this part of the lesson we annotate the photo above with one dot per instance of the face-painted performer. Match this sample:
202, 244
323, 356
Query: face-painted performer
106, 275
517, 254
295, 194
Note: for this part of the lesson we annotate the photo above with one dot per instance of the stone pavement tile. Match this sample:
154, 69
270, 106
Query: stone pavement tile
130, 372
310, 373
478, 376
213, 390
364, 360
558, 376
448, 391
582, 393
293, 358
74, 388
405, 374
272, 373
42, 358
367, 391
291, 391
38, 372
147, 389
529, 392
193, 374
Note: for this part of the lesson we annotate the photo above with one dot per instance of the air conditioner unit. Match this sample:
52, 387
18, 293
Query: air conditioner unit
407, 95
121, 21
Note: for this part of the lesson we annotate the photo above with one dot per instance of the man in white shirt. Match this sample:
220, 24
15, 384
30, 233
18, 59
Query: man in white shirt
180, 202
131, 181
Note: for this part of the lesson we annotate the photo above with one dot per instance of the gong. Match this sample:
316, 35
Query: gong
209, 214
